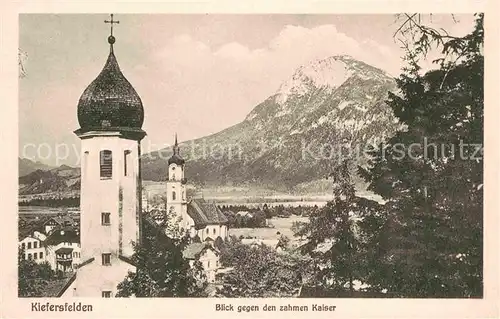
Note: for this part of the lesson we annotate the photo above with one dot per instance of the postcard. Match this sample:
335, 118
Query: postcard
186, 161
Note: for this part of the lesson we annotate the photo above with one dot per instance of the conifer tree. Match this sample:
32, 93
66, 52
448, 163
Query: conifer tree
161, 269
429, 243
333, 237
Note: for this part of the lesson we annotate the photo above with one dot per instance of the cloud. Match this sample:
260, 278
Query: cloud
190, 82
233, 50
213, 88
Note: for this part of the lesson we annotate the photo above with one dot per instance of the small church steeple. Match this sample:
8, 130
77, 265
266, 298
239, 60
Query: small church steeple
176, 146
176, 158
176, 185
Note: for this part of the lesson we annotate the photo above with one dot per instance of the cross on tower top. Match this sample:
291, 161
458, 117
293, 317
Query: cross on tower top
111, 38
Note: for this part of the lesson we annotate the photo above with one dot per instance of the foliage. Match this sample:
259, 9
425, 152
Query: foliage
334, 238
283, 242
32, 277
261, 271
52, 202
219, 242
161, 269
259, 216
428, 242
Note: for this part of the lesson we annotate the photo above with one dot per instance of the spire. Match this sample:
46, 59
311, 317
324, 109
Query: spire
111, 38
176, 158
176, 146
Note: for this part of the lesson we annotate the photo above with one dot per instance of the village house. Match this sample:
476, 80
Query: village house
244, 213
256, 242
30, 241
41, 237
208, 257
63, 248
61, 220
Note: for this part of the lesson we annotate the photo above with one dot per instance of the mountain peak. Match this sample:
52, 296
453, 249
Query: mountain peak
327, 74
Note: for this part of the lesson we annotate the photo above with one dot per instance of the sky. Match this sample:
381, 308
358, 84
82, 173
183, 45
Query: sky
195, 74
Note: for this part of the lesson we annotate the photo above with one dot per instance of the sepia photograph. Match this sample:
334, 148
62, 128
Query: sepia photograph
250, 156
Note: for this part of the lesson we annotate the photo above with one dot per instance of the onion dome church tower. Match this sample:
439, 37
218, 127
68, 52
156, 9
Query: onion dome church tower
110, 114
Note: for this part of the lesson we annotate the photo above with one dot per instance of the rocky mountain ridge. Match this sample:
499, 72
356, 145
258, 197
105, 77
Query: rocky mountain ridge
281, 141
291, 141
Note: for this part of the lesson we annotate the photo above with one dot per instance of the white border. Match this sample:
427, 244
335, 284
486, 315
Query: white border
13, 307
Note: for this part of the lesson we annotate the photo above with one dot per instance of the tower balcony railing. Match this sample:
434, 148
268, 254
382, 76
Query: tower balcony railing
63, 258
182, 180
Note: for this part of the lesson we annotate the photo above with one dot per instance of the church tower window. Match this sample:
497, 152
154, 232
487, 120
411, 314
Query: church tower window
106, 161
105, 219
173, 195
126, 159
106, 259
85, 160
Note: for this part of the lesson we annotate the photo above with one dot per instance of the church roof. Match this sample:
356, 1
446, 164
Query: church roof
176, 158
110, 102
204, 213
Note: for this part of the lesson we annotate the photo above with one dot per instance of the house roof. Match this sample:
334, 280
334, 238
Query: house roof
244, 214
56, 288
61, 220
194, 250
64, 250
28, 228
25, 232
257, 241
204, 213
63, 234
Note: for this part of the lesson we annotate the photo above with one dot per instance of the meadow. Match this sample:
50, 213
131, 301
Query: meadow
277, 224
